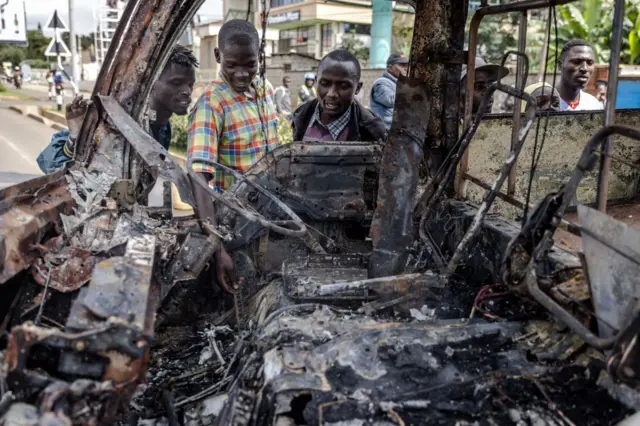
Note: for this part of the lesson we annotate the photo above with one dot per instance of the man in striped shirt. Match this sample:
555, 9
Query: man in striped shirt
234, 123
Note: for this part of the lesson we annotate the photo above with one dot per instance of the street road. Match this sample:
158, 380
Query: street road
21, 140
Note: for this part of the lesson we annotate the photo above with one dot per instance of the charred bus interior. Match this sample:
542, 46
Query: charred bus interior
372, 297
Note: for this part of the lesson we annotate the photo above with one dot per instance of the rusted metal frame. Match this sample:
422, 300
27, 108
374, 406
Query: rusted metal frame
610, 107
157, 159
32, 186
397, 285
521, 6
564, 224
392, 226
137, 58
24, 224
436, 186
436, 50
623, 361
560, 313
522, 67
490, 195
276, 226
586, 163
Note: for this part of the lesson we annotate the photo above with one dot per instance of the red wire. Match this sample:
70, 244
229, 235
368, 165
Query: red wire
483, 294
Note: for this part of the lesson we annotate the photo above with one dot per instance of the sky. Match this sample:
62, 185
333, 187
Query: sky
40, 10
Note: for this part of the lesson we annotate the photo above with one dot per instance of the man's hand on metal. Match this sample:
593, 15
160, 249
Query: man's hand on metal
226, 272
75, 114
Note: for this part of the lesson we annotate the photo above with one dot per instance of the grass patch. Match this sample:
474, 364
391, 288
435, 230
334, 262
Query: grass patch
178, 150
16, 94
55, 109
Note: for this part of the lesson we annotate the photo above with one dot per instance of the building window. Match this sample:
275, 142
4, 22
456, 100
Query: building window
364, 29
278, 3
301, 40
326, 37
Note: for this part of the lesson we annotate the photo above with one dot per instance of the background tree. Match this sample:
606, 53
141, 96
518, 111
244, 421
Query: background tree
353, 44
588, 20
38, 43
401, 37
12, 54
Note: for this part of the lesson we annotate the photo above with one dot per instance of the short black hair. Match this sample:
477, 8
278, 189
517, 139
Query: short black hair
573, 43
238, 32
180, 55
342, 55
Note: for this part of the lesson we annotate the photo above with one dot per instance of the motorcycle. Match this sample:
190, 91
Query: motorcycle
17, 81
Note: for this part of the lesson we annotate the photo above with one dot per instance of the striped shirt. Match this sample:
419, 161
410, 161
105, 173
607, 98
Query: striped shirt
235, 130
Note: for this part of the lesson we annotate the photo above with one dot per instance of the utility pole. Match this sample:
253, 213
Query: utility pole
74, 48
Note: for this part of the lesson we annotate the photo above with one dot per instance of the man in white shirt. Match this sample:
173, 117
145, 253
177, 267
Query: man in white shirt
577, 64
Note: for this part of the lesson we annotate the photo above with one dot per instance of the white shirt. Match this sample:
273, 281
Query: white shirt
587, 102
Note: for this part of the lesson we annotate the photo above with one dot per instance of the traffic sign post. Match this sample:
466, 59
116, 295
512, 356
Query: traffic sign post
59, 49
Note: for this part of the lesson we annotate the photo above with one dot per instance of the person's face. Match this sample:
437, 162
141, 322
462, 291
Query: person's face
483, 80
549, 100
239, 64
577, 67
174, 87
337, 86
397, 70
601, 90
309, 82
286, 82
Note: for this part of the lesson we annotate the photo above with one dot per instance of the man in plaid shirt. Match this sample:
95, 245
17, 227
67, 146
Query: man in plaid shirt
234, 123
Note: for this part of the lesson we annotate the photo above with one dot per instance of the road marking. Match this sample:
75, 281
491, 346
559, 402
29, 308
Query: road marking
25, 157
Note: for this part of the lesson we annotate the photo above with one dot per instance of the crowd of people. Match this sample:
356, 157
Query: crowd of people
235, 120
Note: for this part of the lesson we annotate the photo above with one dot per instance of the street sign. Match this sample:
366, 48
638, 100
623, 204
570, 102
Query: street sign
55, 22
57, 47
13, 22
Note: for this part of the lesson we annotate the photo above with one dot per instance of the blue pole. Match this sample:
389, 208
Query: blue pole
381, 33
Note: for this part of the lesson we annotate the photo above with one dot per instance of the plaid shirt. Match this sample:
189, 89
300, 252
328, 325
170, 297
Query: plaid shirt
336, 126
226, 128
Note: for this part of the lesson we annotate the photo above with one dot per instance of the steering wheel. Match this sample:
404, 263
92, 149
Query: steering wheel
294, 227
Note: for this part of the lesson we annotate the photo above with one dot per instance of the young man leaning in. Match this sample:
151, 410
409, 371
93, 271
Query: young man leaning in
234, 123
335, 115
171, 94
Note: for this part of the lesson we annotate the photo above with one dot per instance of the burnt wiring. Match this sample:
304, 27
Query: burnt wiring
487, 292
535, 159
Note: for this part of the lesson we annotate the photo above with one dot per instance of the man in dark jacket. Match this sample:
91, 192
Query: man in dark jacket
335, 115
383, 91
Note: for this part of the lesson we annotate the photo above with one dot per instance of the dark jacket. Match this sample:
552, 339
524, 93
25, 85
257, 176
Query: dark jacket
383, 97
364, 125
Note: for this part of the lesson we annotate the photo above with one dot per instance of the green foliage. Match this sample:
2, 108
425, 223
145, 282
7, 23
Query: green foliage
356, 46
85, 40
38, 63
591, 21
179, 131
401, 37
38, 43
285, 132
497, 35
2, 88
631, 33
12, 54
